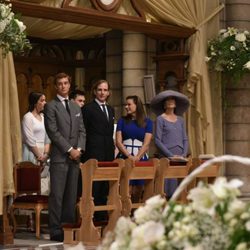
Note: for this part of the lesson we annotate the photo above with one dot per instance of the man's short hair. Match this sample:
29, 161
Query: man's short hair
60, 76
73, 94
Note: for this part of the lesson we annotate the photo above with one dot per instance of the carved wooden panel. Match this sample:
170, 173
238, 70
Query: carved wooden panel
171, 59
36, 71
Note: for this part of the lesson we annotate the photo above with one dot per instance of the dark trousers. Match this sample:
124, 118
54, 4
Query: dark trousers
63, 195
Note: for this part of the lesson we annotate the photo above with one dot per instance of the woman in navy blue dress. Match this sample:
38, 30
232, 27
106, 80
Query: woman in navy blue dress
133, 136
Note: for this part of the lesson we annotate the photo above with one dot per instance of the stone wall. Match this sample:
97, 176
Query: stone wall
237, 111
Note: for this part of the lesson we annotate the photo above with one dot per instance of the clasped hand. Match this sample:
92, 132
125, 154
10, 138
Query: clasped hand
133, 158
74, 154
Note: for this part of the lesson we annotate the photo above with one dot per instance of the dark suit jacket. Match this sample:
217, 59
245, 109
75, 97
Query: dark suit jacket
64, 131
99, 143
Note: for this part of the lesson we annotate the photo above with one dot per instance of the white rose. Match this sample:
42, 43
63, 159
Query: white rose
241, 246
237, 206
245, 216
247, 65
204, 200
178, 208
155, 201
20, 24
240, 37
222, 31
124, 225
137, 238
140, 215
153, 232
247, 225
232, 48
223, 189
226, 34
207, 59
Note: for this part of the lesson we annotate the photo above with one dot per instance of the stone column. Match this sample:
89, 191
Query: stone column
237, 112
134, 64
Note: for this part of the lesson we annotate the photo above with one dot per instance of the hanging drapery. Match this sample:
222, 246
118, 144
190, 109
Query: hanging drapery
10, 132
195, 14
49, 29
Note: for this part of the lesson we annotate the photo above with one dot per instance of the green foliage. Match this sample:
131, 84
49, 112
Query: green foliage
229, 53
12, 31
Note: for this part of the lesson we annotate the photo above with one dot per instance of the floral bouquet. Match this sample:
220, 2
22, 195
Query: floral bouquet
12, 31
214, 219
229, 52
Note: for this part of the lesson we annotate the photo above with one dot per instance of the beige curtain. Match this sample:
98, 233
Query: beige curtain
49, 29
201, 15
10, 134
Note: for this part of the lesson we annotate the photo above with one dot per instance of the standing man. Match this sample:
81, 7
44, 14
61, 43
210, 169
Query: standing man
64, 125
98, 118
78, 96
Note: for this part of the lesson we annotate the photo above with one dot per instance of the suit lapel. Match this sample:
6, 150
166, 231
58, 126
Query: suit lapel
101, 113
110, 114
63, 111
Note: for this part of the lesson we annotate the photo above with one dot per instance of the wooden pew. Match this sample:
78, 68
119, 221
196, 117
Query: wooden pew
142, 170
171, 170
208, 175
92, 171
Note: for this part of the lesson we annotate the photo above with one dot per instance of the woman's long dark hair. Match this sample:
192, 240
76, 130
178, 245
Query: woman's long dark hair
33, 99
140, 112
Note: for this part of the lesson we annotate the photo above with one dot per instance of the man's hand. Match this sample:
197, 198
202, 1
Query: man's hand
74, 154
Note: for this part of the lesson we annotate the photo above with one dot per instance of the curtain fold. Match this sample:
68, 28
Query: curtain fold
10, 132
49, 29
200, 118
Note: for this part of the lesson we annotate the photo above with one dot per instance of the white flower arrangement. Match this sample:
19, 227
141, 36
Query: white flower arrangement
229, 52
214, 219
12, 31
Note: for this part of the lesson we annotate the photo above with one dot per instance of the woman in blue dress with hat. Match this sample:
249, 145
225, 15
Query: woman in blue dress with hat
170, 133
133, 136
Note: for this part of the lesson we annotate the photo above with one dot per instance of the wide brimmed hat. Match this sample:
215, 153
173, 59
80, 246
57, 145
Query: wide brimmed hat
157, 103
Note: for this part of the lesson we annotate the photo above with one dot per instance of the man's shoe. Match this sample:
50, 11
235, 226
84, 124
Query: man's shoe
57, 237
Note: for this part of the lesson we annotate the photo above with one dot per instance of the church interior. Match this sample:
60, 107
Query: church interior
140, 47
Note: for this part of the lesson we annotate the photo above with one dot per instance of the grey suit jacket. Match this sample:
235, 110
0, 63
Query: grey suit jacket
64, 130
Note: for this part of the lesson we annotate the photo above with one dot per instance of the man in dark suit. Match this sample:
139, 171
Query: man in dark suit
98, 119
64, 125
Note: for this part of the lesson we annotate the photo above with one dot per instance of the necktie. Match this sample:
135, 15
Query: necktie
104, 111
67, 105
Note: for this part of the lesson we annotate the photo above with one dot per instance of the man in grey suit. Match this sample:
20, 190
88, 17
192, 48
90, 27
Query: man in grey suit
64, 125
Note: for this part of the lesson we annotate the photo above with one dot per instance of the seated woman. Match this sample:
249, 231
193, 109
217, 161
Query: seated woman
170, 134
133, 136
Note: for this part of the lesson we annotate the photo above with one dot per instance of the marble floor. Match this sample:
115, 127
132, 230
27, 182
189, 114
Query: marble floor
27, 241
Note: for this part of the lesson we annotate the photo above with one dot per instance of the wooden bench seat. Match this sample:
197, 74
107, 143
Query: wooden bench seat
171, 170
92, 171
142, 170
